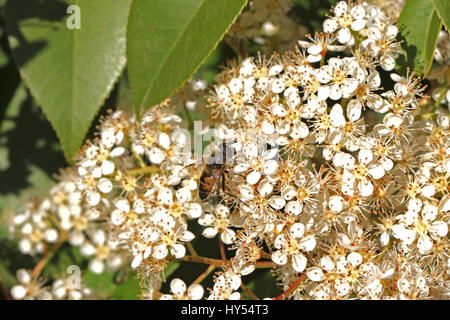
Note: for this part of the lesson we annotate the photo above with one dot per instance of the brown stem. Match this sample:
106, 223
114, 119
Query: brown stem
47, 257
222, 250
5, 291
247, 291
266, 255
202, 277
292, 288
264, 264
191, 249
145, 170
198, 259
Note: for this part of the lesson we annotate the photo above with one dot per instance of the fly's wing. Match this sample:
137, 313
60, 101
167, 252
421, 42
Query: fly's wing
187, 171
228, 153
209, 154
215, 194
218, 154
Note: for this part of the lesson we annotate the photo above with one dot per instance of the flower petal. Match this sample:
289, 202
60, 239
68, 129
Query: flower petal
299, 262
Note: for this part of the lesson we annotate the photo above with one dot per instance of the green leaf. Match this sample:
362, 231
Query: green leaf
419, 26
102, 284
105, 286
262, 283
171, 267
443, 10
70, 73
65, 257
129, 289
168, 40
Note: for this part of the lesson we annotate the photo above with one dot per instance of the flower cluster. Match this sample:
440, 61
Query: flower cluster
327, 172
31, 287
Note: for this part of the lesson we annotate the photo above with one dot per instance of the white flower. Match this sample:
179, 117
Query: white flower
257, 165
381, 43
125, 214
319, 45
218, 223
291, 244
34, 232
141, 247
29, 288
102, 249
180, 292
225, 287
346, 18
359, 174
173, 148
338, 77
423, 225
69, 288
373, 276
171, 232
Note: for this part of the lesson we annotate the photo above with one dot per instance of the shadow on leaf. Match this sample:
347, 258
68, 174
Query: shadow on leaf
20, 13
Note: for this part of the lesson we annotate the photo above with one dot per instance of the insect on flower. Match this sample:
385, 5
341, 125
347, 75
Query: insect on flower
212, 182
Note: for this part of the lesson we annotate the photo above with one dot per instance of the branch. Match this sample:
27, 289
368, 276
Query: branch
144, 170
222, 250
202, 277
247, 291
47, 257
264, 264
292, 288
204, 260
5, 291
191, 249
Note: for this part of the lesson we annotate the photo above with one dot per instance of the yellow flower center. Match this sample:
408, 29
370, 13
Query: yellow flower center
345, 21
421, 226
132, 216
80, 223
302, 194
176, 209
441, 184
169, 238
361, 171
102, 251
292, 115
381, 150
36, 236
148, 140
349, 128
412, 189
339, 77
59, 197
292, 247
221, 224
129, 183
330, 215
257, 164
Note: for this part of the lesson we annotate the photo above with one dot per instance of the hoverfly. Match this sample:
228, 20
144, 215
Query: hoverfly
212, 179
